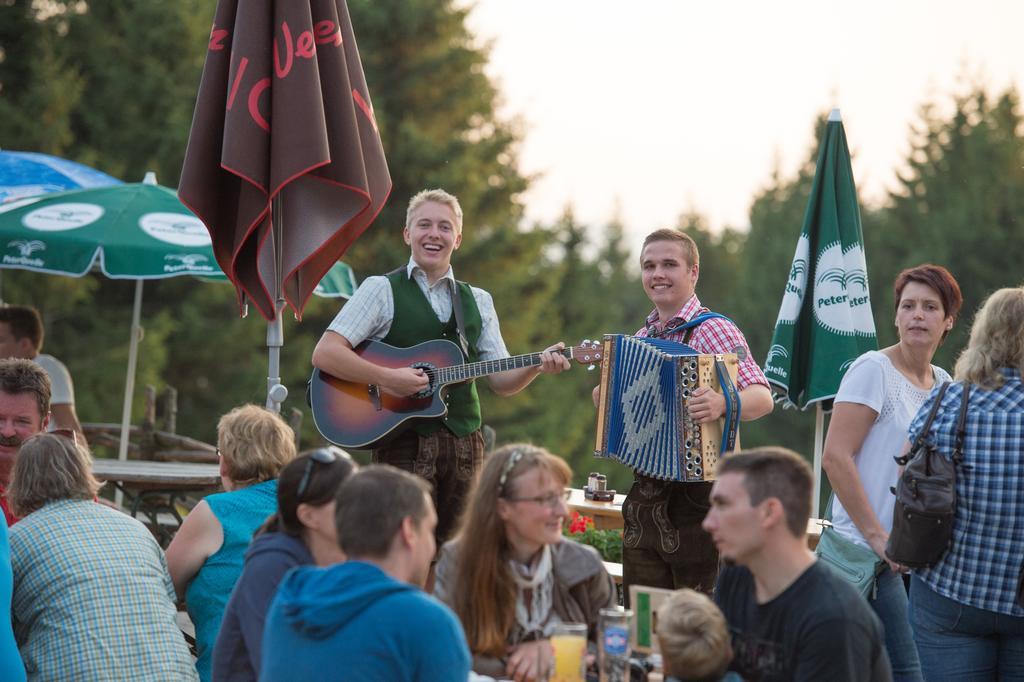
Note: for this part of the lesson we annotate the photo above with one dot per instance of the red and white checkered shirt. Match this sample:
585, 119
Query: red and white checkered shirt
716, 335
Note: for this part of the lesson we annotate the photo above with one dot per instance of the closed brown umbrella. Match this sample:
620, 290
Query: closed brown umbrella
284, 165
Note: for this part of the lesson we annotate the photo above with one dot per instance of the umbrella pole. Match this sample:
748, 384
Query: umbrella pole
819, 434
276, 391
129, 380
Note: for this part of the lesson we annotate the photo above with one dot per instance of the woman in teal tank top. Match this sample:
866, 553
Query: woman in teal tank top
206, 556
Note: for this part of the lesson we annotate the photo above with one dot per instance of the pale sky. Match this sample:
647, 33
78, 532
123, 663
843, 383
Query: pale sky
656, 106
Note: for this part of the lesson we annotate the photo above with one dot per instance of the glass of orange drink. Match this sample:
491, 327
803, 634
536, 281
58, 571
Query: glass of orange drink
569, 641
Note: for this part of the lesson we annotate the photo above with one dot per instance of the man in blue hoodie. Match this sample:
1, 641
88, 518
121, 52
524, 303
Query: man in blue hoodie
368, 619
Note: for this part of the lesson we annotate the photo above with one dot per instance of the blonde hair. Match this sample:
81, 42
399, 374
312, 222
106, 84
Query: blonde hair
694, 637
484, 592
255, 444
438, 196
50, 468
997, 340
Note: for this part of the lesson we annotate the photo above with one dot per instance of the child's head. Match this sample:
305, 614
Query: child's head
693, 636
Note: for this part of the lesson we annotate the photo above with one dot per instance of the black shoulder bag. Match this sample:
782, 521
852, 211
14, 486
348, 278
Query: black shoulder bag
922, 523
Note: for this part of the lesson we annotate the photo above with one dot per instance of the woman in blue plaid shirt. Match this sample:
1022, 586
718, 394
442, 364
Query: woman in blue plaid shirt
966, 610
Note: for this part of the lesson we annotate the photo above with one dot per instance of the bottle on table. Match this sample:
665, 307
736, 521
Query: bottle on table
613, 645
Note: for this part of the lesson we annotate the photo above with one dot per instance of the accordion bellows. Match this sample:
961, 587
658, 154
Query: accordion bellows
642, 419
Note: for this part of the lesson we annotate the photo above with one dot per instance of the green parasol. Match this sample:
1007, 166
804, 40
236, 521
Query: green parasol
825, 320
134, 231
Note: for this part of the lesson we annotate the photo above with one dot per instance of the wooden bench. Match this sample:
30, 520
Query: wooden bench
614, 570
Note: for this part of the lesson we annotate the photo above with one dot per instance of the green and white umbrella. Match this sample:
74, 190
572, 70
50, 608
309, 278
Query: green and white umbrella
825, 320
134, 231
339, 282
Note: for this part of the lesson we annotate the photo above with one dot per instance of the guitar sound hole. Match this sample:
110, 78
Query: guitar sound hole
431, 371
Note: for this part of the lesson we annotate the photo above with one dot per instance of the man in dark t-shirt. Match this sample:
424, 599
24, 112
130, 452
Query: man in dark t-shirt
790, 618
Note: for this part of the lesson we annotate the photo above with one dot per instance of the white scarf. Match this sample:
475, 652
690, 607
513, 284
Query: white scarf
540, 582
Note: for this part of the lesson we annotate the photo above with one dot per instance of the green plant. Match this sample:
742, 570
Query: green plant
607, 542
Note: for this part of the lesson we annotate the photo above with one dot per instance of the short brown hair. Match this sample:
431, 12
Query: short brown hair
371, 505
668, 235
24, 322
775, 472
19, 376
693, 636
50, 468
934, 277
255, 443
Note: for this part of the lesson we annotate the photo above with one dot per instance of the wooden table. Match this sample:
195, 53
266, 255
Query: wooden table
154, 488
605, 514
143, 473
609, 514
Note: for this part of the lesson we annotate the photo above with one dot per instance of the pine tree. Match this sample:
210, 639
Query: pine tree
40, 88
959, 203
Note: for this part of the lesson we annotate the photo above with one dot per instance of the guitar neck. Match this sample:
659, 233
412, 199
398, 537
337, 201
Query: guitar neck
472, 370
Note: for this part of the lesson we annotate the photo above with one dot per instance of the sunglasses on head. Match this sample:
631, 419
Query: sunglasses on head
323, 456
70, 434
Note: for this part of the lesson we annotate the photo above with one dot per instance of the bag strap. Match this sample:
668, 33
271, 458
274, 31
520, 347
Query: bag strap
923, 434
828, 508
961, 424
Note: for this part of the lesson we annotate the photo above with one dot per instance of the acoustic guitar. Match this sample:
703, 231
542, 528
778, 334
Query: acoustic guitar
354, 415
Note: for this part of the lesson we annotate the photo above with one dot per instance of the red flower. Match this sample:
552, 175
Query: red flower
578, 523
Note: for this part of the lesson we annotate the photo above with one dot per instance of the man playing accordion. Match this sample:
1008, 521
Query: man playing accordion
663, 543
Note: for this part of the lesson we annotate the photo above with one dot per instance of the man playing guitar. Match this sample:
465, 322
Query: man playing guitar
414, 304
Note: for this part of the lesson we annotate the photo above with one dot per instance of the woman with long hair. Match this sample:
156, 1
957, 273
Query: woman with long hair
206, 555
301, 533
878, 396
92, 597
510, 575
967, 611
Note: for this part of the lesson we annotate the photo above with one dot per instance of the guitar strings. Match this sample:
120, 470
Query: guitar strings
433, 372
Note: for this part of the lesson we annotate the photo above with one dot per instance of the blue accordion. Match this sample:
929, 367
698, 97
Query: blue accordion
642, 419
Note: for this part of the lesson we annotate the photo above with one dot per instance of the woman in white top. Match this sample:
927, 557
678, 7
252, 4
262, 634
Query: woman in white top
878, 397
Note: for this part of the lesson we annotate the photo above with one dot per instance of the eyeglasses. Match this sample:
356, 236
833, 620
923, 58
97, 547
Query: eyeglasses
323, 456
552, 501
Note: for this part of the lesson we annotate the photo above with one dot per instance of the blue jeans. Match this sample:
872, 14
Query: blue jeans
890, 605
964, 643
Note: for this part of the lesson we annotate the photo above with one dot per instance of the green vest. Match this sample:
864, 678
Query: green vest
415, 322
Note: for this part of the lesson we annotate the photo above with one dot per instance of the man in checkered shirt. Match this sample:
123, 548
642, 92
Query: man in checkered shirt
664, 545
412, 305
